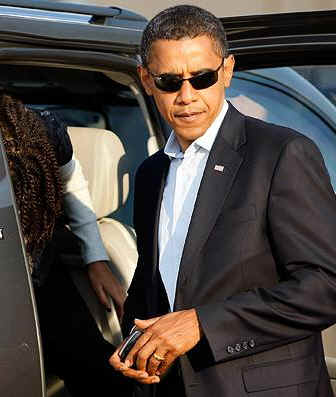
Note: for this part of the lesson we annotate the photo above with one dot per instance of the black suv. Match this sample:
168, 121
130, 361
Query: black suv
80, 61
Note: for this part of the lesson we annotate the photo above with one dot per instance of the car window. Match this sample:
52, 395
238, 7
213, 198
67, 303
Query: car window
263, 95
322, 77
86, 99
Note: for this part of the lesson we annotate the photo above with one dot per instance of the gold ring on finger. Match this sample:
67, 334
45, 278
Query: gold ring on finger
158, 357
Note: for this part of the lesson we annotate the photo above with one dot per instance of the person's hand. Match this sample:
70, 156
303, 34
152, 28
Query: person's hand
124, 368
105, 284
165, 338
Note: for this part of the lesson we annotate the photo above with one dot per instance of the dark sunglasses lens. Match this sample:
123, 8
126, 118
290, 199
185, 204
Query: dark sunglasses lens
204, 80
168, 83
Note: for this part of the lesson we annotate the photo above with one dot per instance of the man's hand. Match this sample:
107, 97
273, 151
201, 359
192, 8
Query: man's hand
105, 284
165, 339
124, 368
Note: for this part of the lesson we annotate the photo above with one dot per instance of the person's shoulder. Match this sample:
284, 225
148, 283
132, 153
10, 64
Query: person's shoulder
54, 123
271, 130
274, 140
272, 135
259, 131
58, 135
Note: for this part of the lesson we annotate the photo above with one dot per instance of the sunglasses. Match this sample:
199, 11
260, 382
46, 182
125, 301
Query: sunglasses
171, 83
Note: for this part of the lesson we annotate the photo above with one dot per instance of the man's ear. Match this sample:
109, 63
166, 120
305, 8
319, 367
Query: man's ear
145, 79
228, 70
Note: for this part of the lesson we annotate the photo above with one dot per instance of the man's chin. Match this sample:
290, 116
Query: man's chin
189, 135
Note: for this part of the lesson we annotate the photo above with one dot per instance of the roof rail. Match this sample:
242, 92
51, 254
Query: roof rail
94, 11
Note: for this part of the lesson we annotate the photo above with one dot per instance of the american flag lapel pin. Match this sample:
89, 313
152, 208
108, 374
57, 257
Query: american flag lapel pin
219, 168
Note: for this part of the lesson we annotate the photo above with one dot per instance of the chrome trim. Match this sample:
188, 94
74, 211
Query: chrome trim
44, 15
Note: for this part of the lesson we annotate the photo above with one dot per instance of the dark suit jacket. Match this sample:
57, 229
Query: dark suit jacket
259, 263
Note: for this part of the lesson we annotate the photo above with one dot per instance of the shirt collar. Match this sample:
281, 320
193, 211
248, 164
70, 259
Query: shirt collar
173, 149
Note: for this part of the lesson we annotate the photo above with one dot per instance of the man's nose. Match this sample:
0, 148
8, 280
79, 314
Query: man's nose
187, 93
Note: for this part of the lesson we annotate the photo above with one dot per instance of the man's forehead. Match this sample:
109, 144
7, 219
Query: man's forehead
195, 50
159, 46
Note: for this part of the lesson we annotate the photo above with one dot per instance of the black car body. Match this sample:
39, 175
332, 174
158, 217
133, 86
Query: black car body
81, 61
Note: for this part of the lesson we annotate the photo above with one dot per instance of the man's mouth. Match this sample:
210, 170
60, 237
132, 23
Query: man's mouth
188, 116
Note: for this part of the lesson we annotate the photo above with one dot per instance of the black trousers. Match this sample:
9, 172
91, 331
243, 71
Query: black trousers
171, 384
73, 347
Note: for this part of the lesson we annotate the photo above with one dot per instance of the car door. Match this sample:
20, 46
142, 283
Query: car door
20, 351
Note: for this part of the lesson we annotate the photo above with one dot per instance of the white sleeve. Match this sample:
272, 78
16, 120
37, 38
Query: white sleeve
79, 210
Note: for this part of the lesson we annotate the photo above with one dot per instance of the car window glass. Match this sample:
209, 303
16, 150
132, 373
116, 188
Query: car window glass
270, 103
322, 77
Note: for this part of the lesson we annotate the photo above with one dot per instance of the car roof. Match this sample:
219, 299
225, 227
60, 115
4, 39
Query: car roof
67, 25
255, 40
281, 39
252, 28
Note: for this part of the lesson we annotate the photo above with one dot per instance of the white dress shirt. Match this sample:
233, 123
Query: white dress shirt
179, 196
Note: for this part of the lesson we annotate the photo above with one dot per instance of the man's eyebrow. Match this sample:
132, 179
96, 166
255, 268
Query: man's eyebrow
194, 73
171, 74
199, 71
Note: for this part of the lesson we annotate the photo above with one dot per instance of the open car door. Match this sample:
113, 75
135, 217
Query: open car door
20, 353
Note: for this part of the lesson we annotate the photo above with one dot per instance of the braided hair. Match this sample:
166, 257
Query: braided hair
34, 171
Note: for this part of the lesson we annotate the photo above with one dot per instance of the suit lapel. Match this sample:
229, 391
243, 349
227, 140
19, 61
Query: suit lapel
158, 179
161, 176
214, 188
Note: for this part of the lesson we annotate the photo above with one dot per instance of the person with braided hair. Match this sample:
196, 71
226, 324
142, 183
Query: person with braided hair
35, 176
49, 186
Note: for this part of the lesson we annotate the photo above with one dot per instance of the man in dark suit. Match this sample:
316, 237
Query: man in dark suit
236, 226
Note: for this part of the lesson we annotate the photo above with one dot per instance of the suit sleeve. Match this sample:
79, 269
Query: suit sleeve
301, 219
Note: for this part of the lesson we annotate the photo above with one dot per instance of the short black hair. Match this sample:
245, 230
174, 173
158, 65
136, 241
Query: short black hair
180, 22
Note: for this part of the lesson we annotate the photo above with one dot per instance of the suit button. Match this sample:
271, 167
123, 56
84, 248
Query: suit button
245, 345
238, 347
252, 343
230, 349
